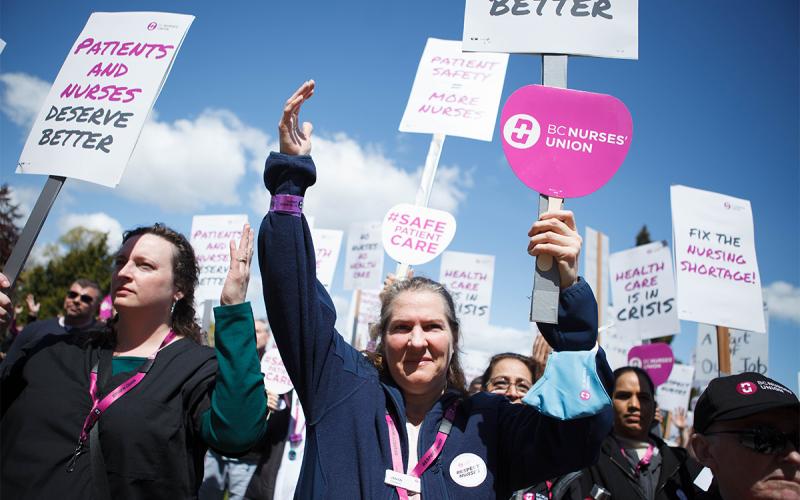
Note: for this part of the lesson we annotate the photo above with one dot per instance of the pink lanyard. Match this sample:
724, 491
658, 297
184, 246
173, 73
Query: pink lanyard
429, 456
100, 406
648, 455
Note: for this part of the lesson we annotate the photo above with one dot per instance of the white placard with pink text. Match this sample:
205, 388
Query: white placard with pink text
97, 106
643, 291
276, 378
715, 258
367, 303
211, 236
674, 393
363, 266
327, 244
415, 235
468, 277
454, 92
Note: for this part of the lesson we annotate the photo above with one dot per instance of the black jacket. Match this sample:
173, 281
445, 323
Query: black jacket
615, 473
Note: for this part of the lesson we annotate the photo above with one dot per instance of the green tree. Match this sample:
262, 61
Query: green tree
643, 236
9, 231
86, 256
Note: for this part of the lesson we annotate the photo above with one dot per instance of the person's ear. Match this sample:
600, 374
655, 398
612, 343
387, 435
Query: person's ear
702, 450
178, 295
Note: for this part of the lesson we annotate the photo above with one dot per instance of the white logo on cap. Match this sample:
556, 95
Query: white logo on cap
746, 388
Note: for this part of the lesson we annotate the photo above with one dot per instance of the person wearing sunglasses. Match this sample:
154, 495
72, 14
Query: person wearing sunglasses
746, 432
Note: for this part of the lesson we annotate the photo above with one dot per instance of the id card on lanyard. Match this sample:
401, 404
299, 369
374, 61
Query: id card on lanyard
411, 482
101, 405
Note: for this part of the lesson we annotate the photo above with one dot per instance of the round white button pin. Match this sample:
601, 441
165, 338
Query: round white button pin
468, 470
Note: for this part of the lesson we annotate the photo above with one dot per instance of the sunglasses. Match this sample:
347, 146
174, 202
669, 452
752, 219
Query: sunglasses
85, 298
765, 440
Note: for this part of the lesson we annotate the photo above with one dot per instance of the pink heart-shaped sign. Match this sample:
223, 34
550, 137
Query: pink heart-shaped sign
276, 379
656, 359
564, 143
415, 235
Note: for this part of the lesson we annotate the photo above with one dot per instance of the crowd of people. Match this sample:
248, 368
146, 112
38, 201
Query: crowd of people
137, 407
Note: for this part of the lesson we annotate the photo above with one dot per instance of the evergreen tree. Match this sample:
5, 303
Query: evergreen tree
86, 256
9, 231
643, 237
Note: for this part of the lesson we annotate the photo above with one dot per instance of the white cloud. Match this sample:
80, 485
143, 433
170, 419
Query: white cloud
25, 199
98, 221
783, 301
22, 97
190, 164
496, 339
357, 183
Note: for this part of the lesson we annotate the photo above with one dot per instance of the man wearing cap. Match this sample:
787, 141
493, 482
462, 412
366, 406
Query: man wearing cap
746, 432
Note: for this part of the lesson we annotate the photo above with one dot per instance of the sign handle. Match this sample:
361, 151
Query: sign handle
425, 187
546, 280
16, 261
723, 350
354, 336
599, 283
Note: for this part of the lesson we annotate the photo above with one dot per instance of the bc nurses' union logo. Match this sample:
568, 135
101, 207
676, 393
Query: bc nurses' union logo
152, 26
746, 388
521, 131
585, 395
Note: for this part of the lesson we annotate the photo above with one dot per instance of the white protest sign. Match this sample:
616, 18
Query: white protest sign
643, 291
368, 304
327, 243
468, 277
415, 235
276, 379
749, 353
595, 271
674, 393
601, 28
715, 255
211, 236
363, 266
455, 93
473, 363
96, 108
617, 343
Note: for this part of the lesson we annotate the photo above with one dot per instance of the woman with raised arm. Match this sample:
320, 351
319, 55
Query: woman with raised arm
400, 425
129, 411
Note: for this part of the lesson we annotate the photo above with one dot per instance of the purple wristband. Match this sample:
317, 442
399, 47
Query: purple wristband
287, 204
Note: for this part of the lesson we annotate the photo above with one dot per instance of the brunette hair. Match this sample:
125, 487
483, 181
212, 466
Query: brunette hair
525, 360
639, 372
185, 273
455, 375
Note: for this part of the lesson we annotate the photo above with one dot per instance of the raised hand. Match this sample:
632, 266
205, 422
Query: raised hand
33, 306
555, 234
294, 138
541, 351
234, 290
5, 302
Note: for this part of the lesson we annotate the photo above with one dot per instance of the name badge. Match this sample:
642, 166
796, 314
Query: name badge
396, 479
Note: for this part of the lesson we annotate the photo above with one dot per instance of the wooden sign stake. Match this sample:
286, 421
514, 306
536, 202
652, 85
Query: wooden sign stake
723, 350
354, 336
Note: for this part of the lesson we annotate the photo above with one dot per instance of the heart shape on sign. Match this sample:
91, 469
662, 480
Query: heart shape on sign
656, 359
564, 143
415, 235
276, 378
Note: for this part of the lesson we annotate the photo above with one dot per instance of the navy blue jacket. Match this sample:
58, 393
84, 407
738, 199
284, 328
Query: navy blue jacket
345, 399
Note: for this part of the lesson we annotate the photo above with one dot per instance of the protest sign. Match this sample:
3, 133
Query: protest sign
715, 256
327, 243
749, 353
363, 266
595, 271
473, 363
617, 343
468, 277
601, 28
415, 235
455, 93
643, 291
95, 110
364, 311
211, 236
674, 393
564, 143
276, 379
656, 359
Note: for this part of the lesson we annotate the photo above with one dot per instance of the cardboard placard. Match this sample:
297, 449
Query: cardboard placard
617, 344
415, 235
656, 359
715, 258
97, 106
675, 392
564, 143
468, 277
363, 266
601, 28
327, 244
368, 303
276, 379
211, 236
455, 93
749, 353
643, 291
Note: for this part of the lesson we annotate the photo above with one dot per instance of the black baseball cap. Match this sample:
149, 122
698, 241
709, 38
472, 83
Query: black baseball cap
739, 396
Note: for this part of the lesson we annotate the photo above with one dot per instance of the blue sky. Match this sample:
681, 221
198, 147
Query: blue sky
714, 100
